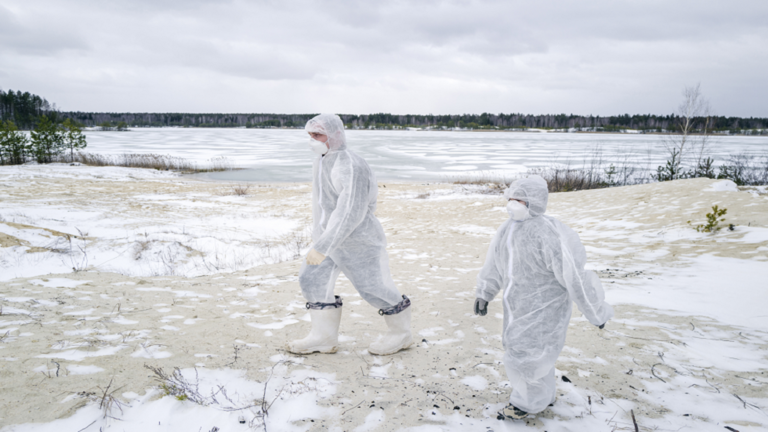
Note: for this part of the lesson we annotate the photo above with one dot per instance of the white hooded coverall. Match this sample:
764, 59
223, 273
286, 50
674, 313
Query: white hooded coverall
345, 229
539, 264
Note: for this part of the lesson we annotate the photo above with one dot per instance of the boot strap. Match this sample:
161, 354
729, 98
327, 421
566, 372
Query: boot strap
396, 309
321, 306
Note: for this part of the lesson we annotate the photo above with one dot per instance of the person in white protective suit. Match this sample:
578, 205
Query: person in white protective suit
538, 263
347, 238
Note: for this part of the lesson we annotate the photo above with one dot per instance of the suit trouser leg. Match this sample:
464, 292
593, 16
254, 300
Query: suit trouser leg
368, 270
531, 396
318, 281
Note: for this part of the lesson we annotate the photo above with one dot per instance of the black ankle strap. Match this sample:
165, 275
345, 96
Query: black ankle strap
321, 306
396, 309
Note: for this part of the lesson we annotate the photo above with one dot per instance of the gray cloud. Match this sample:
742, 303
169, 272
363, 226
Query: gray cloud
36, 35
600, 57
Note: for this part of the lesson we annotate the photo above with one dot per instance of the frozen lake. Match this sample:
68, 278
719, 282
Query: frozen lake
283, 155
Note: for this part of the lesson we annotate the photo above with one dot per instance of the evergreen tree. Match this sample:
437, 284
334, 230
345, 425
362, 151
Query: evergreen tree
14, 145
73, 138
47, 140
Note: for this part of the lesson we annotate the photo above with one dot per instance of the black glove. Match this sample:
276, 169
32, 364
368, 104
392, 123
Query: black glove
601, 326
481, 307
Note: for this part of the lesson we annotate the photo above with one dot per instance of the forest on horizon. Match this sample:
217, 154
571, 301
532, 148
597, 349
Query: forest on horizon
26, 109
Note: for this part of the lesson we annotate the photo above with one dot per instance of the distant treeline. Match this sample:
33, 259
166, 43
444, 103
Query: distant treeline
646, 122
25, 110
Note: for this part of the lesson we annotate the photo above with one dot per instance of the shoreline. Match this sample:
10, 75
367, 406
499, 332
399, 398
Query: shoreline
532, 131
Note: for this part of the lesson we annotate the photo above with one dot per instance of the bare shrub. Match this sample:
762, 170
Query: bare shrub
105, 398
81, 264
178, 386
183, 389
689, 140
745, 170
139, 248
297, 241
568, 180
240, 189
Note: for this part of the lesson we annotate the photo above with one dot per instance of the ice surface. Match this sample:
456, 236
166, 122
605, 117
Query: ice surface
282, 155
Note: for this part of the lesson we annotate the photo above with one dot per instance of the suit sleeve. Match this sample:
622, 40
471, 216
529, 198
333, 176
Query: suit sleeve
566, 258
491, 277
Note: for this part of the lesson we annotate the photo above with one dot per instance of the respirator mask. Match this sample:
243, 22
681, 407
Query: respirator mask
517, 210
318, 147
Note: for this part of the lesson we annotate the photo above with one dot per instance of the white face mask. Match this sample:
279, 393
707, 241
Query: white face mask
318, 147
517, 210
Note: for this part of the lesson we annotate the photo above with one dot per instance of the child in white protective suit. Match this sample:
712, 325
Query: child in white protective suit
347, 238
538, 262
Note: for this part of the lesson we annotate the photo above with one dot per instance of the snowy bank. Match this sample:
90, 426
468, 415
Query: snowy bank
82, 350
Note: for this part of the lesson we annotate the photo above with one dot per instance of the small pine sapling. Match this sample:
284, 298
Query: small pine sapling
713, 221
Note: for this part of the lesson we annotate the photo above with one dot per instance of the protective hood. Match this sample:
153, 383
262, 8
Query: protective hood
532, 190
330, 125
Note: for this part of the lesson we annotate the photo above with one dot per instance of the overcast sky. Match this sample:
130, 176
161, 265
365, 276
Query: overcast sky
419, 57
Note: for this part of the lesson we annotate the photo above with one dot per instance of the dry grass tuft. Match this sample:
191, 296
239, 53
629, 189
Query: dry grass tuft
151, 161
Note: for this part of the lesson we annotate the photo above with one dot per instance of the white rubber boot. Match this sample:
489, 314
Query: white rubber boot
323, 337
399, 335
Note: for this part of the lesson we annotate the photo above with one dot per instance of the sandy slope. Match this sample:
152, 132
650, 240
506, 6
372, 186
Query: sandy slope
674, 362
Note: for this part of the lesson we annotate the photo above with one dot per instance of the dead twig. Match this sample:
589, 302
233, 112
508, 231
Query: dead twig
361, 402
745, 403
81, 430
653, 371
237, 351
634, 422
108, 400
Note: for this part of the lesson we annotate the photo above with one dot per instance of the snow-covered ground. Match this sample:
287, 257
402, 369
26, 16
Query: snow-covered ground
138, 223
122, 344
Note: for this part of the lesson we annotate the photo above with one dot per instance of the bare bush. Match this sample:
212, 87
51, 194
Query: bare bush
690, 138
297, 242
105, 398
178, 386
240, 189
184, 389
745, 169
139, 248
80, 264
568, 180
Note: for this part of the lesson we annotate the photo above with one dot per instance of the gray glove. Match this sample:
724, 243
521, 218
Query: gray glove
481, 307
